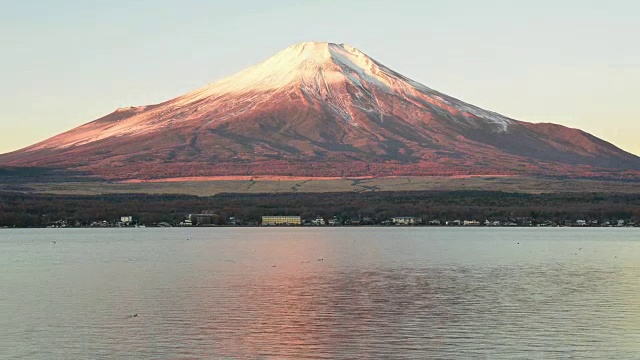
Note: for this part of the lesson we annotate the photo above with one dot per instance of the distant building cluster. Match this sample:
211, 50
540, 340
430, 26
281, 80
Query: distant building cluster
210, 218
123, 221
205, 218
417, 221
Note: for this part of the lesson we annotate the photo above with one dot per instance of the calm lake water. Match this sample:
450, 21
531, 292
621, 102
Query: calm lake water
402, 293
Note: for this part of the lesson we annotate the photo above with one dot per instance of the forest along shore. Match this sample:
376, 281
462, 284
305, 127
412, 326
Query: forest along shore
410, 208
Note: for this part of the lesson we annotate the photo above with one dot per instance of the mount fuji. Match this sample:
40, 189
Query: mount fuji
320, 110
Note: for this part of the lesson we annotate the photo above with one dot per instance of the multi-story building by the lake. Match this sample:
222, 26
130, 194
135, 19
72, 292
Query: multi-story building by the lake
281, 220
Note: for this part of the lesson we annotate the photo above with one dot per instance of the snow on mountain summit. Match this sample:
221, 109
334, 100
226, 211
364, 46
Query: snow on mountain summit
323, 69
301, 63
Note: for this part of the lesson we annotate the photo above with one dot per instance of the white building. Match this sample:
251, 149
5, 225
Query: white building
404, 220
319, 221
126, 219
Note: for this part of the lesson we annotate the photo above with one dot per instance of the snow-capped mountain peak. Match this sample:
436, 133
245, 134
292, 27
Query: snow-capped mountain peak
325, 71
301, 63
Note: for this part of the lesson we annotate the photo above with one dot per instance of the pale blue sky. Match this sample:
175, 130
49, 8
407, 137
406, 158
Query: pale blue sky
64, 63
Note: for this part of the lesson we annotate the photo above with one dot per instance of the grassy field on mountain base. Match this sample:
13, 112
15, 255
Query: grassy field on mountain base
210, 188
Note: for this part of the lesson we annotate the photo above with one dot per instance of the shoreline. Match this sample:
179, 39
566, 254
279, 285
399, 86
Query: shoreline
329, 227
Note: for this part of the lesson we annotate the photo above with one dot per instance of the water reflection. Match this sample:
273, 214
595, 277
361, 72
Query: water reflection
418, 295
413, 313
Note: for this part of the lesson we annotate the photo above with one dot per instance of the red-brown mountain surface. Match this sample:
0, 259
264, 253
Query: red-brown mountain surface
325, 110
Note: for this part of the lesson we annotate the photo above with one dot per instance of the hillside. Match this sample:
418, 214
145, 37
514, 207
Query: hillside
321, 110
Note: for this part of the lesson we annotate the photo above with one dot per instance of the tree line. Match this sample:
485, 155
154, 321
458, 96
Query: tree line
37, 210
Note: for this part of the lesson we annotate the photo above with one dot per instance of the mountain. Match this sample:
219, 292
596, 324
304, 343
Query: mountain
320, 110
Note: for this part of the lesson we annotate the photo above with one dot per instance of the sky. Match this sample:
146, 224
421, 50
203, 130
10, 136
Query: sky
571, 62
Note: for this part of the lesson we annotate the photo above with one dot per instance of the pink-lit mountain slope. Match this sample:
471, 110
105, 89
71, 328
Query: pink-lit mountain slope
320, 109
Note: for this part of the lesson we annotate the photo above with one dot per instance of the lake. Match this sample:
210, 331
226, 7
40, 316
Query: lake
357, 293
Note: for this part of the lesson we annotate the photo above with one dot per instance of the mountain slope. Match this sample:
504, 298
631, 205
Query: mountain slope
320, 109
